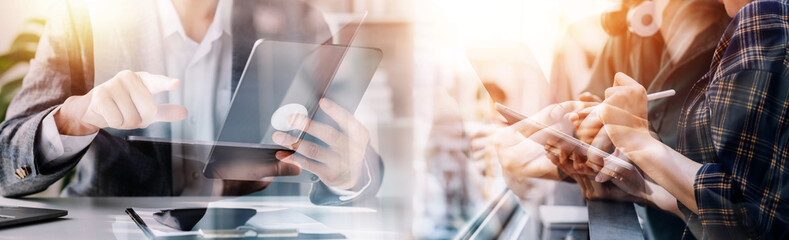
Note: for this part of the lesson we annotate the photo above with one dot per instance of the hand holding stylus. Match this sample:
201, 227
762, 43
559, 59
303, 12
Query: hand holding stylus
590, 129
624, 115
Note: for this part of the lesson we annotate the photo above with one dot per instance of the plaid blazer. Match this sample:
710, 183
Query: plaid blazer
734, 122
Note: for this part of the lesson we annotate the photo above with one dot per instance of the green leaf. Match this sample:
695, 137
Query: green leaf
7, 92
25, 41
39, 21
10, 59
6, 62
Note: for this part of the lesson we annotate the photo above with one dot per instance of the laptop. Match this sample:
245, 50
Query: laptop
12, 216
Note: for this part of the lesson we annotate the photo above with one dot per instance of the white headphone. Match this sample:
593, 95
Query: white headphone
642, 21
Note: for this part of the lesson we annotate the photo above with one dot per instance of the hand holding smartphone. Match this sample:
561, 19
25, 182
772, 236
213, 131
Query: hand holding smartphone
513, 117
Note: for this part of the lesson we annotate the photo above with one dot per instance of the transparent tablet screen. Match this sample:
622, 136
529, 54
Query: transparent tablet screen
283, 74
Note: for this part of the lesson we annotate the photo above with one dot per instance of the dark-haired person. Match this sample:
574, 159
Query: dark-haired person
728, 174
673, 58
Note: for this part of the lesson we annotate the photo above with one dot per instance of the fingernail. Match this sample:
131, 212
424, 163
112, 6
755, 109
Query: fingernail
281, 155
175, 82
598, 178
326, 103
572, 117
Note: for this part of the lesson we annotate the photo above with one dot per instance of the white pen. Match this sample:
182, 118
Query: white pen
661, 95
658, 95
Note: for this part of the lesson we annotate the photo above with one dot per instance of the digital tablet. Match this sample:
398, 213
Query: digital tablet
279, 74
244, 141
238, 157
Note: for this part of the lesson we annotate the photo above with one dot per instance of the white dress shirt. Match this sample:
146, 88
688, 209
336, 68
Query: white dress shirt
203, 68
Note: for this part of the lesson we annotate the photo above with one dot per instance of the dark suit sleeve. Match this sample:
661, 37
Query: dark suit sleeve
112, 166
366, 188
55, 73
63, 67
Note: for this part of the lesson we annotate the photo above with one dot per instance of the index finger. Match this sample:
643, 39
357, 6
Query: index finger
557, 136
575, 106
602, 142
158, 83
527, 127
622, 79
325, 133
589, 97
341, 116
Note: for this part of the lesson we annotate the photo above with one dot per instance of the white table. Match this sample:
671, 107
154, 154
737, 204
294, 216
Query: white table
104, 217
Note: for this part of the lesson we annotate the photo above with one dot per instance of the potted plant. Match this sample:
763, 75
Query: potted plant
23, 48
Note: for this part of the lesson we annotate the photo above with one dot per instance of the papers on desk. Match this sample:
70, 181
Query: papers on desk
267, 223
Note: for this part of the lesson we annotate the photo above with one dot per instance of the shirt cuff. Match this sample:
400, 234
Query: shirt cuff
722, 212
713, 189
57, 148
346, 195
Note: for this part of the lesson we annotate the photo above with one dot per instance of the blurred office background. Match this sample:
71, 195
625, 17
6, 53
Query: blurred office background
427, 99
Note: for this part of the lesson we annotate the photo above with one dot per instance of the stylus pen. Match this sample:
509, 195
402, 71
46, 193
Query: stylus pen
661, 95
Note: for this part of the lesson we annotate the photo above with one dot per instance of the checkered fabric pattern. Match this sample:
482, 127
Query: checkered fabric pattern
736, 123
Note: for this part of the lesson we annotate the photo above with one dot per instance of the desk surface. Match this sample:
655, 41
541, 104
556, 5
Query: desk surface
104, 218
388, 218
613, 220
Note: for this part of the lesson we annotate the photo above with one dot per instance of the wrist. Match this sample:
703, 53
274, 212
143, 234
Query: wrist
69, 118
649, 150
562, 176
662, 199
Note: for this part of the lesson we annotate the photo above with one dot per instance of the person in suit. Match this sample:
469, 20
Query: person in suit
105, 70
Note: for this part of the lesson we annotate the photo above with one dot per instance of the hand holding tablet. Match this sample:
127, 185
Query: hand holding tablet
618, 162
514, 117
280, 118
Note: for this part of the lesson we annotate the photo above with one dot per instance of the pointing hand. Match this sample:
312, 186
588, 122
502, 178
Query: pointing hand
124, 102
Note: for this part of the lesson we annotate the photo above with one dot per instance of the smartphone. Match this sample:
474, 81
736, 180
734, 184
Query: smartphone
185, 219
513, 117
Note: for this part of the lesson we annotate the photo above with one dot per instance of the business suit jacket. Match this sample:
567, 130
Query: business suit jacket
80, 49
